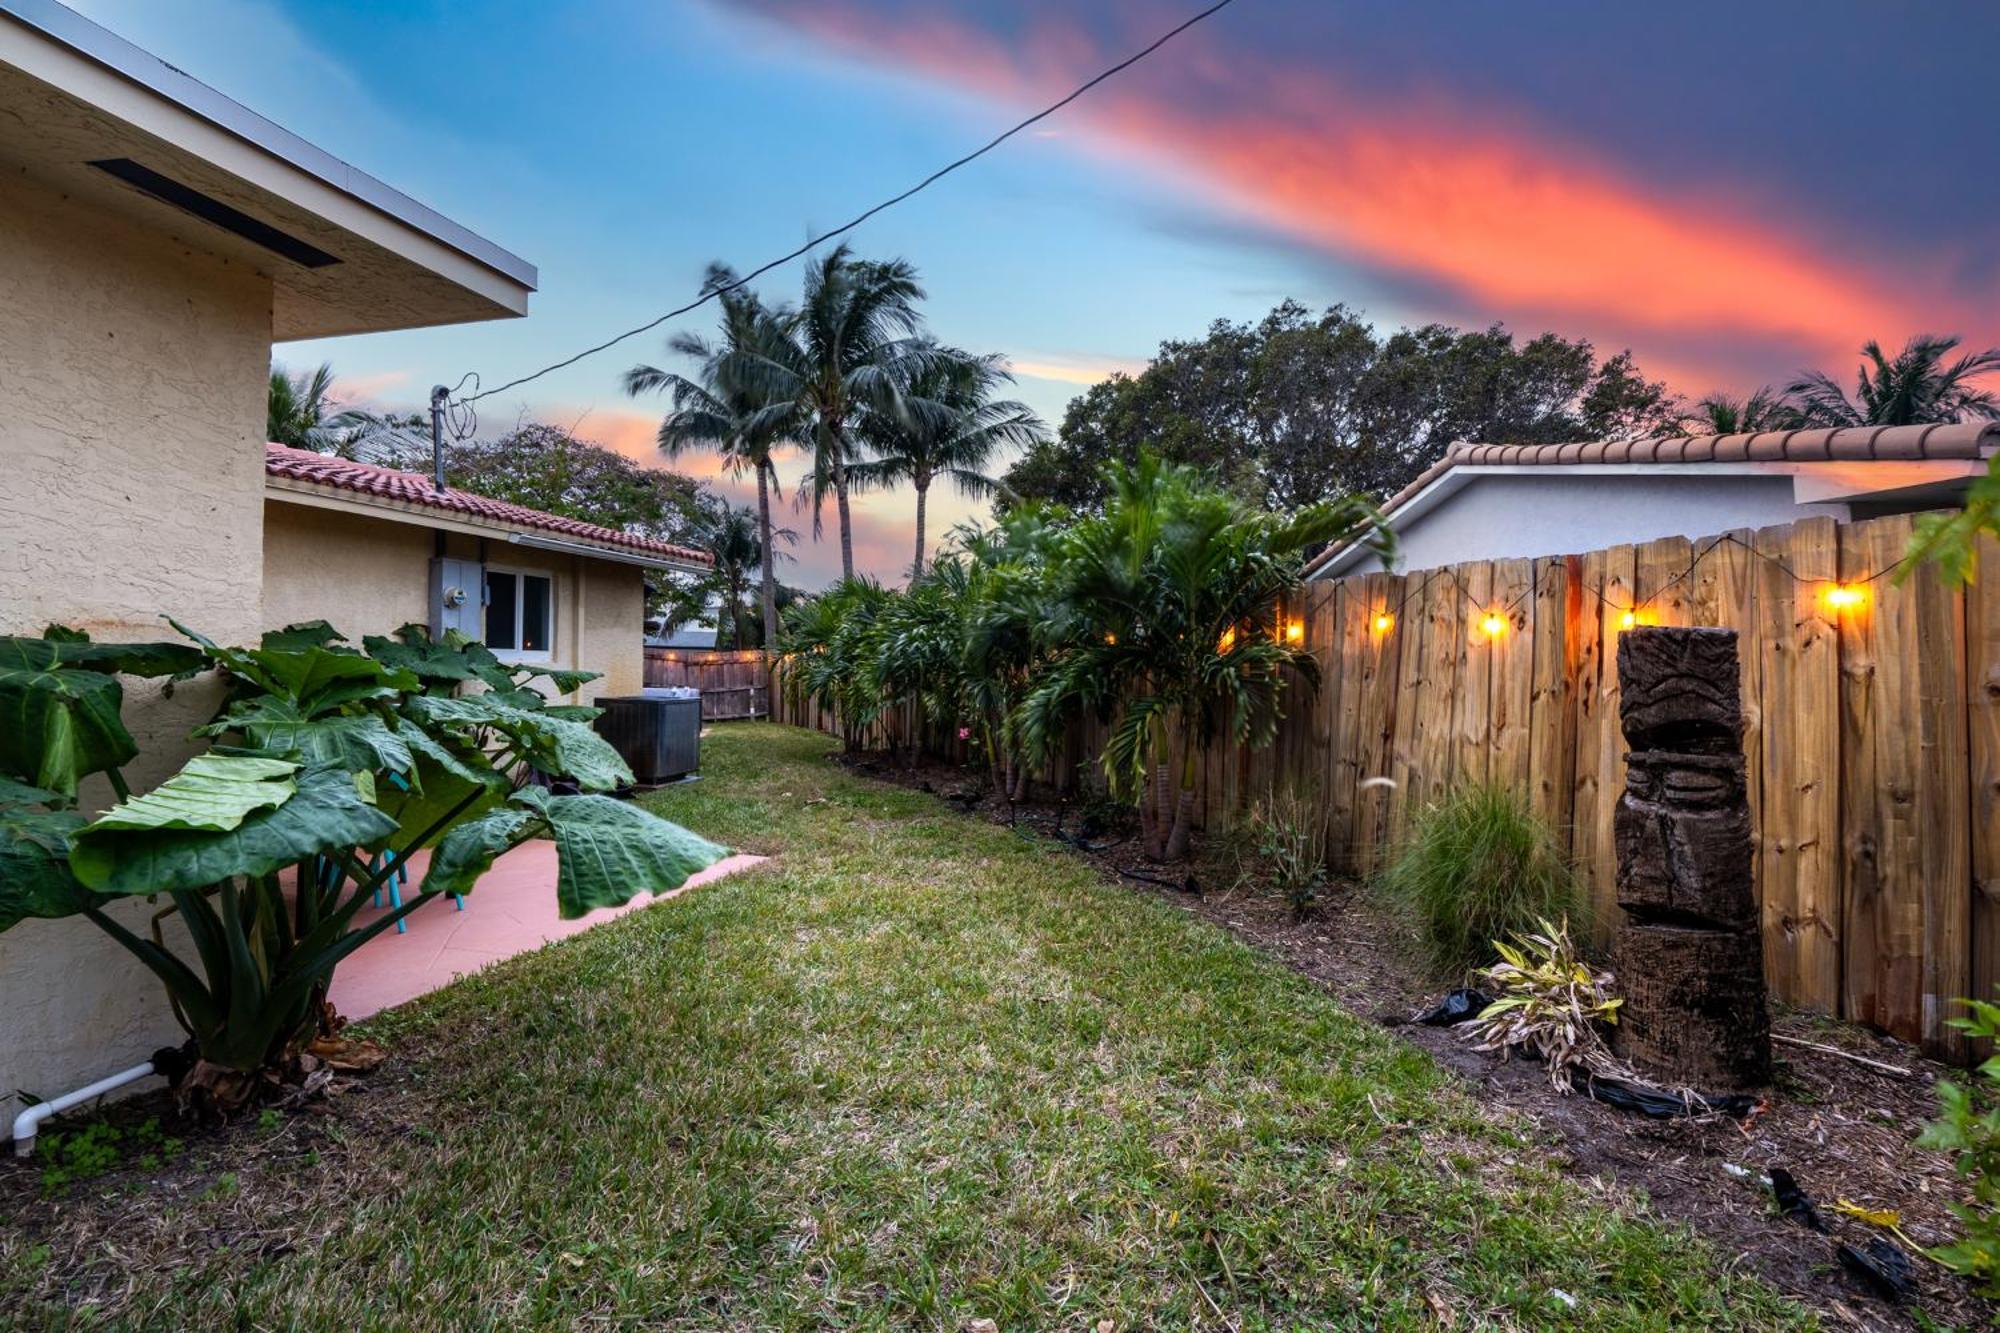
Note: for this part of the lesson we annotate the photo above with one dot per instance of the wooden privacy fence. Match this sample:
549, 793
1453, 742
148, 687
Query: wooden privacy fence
1873, 737
734, 684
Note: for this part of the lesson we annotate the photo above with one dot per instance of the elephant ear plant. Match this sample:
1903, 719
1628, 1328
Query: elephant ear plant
329, 766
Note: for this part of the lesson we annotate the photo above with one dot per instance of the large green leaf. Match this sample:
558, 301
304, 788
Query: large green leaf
319, 678
304, 634
325, 814
73, 648
611, 851
212, 791
557, 746
57, 724
14, 793
362, 742
468, 851
449, 661
445, 783
35, 878
608, 851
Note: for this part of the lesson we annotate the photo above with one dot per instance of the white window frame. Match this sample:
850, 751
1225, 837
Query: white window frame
520, 603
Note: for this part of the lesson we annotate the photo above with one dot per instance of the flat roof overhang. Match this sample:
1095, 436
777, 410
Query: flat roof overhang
77, 94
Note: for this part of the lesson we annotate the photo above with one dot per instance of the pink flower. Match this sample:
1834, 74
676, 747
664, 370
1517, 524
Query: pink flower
965, 733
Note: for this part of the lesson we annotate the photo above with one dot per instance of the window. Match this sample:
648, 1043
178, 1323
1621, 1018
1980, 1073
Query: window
520, 613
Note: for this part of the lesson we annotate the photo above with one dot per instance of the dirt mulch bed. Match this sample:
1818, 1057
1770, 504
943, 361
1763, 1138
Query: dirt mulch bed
1844, 1130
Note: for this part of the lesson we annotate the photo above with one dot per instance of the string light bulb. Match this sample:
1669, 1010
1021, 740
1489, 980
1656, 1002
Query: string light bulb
1295, 631
1384, 622
1628, 620
1494, 624
1844, 596
1227, 641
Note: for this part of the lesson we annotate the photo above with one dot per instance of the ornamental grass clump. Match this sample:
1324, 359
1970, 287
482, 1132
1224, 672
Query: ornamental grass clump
1478, 867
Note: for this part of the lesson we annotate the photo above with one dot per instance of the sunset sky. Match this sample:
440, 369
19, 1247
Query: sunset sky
1732, 190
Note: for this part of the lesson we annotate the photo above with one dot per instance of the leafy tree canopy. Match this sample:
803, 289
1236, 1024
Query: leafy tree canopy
1299, 407
548, 468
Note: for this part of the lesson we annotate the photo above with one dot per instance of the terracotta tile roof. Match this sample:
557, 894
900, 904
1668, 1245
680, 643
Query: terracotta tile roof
414, 488
1835, 444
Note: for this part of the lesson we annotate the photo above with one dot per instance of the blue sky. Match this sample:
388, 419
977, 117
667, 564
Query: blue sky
1732, 190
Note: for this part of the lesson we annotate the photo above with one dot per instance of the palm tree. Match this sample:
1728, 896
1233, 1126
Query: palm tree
850, 348
723, 410
1721, 414
1914, 388
734, 538
1165, 601
948, 427
297, 407
300, 411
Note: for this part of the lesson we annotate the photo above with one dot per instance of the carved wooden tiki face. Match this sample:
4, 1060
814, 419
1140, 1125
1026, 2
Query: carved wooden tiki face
1682, 832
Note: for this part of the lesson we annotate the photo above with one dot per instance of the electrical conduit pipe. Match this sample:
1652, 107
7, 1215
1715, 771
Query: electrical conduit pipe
28, 1124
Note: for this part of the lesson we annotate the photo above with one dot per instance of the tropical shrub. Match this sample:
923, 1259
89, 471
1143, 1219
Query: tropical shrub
330, 766
1479, 866
1160, 610
1550, 1003
1970, 1127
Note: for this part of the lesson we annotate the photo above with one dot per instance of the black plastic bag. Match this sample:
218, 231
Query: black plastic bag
1794, 1202
1883, 1266
1665, 1105
1458, 1006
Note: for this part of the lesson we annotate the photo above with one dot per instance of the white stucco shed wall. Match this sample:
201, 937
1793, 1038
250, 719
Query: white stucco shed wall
1495, 515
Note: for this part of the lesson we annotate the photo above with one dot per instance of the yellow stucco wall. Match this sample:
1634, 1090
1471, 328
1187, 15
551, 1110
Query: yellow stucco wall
132, 375
368, 575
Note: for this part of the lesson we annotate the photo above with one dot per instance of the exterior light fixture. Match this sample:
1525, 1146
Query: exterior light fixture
1295, 631
1844, 597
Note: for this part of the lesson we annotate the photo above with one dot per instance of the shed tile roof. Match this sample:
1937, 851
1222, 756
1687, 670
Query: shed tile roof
415, 488
1970, 441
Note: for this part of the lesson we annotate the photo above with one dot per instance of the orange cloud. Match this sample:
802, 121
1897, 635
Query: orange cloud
1072, 370
1449, 197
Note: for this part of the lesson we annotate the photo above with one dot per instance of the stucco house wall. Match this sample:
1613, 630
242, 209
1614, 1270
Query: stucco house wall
131, 417
369, 575
1503, 517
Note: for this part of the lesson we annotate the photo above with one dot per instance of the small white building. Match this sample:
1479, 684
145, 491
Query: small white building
1494, 501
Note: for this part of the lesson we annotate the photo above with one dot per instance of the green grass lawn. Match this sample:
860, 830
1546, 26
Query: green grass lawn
915, 1072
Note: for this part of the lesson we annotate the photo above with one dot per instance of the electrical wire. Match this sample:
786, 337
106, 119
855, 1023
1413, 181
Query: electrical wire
859, 218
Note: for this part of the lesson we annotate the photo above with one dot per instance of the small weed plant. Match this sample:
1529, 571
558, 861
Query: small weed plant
1551, 1004
1970, 1128
1289, 834
100, 1146
1479, 866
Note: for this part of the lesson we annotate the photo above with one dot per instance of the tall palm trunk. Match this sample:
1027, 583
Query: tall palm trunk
1155, 803
838, 469
923, 485
1183, 827
764, 536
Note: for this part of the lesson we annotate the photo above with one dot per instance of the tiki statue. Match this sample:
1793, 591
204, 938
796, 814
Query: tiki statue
1689, 955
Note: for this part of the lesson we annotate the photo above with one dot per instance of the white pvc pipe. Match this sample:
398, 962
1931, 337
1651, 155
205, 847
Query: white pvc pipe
28, 1123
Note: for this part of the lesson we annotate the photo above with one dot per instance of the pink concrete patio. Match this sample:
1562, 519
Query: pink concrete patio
512, 911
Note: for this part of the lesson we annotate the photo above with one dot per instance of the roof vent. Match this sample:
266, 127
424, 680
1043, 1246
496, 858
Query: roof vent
210, 209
